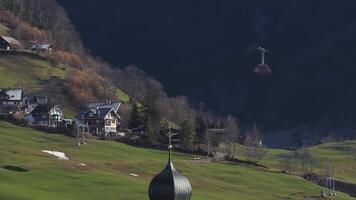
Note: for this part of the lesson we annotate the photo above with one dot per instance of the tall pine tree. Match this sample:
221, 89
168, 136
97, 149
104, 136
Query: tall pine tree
188, 133
152, 116
136, 119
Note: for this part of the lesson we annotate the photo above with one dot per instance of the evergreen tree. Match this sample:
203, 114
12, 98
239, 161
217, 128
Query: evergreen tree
188, 133
201, 128
135, 117
163, 139
152, 116
152, 131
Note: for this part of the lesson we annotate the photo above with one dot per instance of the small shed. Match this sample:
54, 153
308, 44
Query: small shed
42, 47
9, 43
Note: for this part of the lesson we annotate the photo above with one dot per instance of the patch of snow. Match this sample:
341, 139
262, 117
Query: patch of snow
59, 155
83, 164
135, 175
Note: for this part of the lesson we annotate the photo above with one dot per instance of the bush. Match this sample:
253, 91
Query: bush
67, 58
23, 31
83, 87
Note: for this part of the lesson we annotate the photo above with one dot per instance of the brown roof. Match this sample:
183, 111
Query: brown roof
11, 41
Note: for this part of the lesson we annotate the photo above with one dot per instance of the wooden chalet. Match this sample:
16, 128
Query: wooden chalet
101, 120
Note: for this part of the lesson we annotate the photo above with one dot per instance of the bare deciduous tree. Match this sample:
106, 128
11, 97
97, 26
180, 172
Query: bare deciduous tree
132, 80
254, 150
231, 134
176, 109
287, 164
306, 160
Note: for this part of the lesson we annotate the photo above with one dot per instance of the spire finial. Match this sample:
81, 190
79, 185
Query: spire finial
170, 146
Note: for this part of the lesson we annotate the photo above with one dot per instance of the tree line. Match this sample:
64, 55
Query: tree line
150, 107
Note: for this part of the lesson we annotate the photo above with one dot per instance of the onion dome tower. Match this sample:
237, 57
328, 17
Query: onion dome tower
170, 184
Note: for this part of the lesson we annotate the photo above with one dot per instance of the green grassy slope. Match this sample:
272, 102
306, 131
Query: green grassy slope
341, 155
4, 31
34, 74
26, 70
106, 175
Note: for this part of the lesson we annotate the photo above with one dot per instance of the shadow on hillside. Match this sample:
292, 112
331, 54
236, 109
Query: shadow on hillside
15, 168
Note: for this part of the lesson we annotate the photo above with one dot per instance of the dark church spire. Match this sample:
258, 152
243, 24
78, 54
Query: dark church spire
170, 184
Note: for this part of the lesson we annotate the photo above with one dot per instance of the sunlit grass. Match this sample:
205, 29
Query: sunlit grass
106, 175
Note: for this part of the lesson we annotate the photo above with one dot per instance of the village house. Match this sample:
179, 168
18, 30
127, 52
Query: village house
101, 120
10, 100
108, 104
31, 102
46, 115
9, 43
11, 96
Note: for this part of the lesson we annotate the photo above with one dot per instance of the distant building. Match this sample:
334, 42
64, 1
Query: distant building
114, 105
11, 96
10, 100
42, 47
101, 120
31, 102
46, 115
9, 43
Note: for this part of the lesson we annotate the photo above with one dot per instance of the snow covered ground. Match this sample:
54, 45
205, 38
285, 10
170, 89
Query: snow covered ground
59, 155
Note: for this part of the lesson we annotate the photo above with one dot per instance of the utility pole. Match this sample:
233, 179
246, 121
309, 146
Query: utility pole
81, 129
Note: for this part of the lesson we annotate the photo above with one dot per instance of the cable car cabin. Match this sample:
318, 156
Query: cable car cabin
263, 70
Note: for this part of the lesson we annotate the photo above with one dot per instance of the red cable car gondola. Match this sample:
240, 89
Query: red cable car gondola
263, 69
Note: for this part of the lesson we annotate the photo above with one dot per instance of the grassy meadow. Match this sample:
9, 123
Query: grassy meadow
108, 165
340, 155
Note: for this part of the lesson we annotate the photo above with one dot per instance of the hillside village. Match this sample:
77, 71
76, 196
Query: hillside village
102, 118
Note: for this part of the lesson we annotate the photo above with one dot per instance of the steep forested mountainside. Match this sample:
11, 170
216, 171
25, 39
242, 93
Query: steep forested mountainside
203, 49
